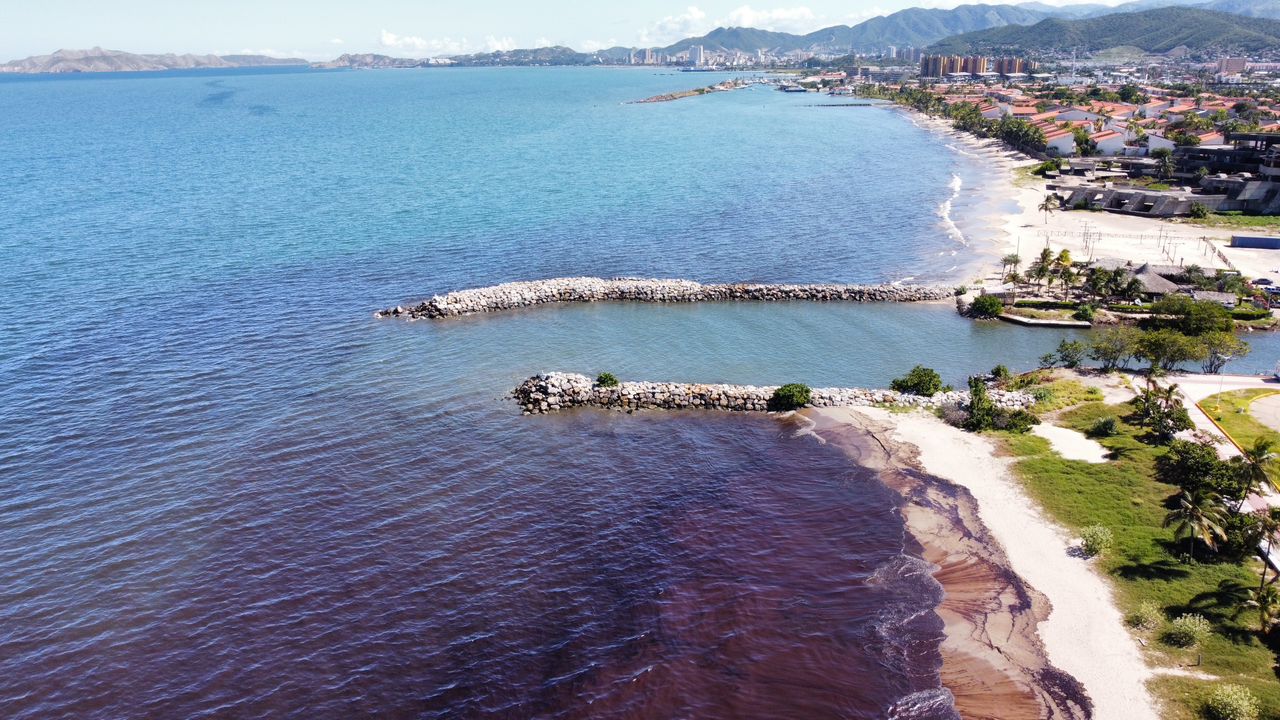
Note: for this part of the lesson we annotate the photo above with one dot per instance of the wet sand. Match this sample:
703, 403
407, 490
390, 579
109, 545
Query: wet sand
1003, 657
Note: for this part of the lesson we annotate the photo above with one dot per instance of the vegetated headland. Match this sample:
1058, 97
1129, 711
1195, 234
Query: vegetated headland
510, 296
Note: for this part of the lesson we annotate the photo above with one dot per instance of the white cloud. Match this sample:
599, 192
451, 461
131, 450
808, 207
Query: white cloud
590, 46
674, 27
435, 47
794, 19
407, 42
543, 41
336, 41
694, 21
496, 44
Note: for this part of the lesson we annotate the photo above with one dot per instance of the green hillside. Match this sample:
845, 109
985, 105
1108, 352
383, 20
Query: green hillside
1154, 31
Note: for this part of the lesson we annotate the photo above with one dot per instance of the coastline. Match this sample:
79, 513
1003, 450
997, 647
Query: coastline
1029, 630
1008, 221
983, 225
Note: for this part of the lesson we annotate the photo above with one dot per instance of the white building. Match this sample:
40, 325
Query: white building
697, 57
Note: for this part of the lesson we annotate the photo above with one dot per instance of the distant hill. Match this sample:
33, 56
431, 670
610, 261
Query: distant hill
100, 60
1153, 31
919, 27
911, 27
1250, 8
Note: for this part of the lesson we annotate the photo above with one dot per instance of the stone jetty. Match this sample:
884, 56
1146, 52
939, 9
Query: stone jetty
551, 392
514, 295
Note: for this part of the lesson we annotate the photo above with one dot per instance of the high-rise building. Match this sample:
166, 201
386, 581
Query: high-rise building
696, 56
1232, 65
893, 52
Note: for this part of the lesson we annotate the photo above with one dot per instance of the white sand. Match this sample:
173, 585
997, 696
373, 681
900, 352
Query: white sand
1084, 634
1070, 444
1112, 236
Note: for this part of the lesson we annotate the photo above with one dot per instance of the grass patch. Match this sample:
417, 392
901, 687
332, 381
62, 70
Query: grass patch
1231, 411
1026, 176
1227, 220
1037, 314
1143, 564
1060, 394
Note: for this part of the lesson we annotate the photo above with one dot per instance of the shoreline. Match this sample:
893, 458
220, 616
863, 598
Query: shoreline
1024, 637
1022, 228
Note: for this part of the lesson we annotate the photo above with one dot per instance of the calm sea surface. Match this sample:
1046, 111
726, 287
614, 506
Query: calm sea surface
227, 491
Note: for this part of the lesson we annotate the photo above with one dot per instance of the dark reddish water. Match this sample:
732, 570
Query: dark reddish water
589, 565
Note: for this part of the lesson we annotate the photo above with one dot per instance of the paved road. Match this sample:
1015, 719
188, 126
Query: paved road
1266, 410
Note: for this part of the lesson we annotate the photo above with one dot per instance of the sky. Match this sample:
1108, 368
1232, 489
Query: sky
323, 29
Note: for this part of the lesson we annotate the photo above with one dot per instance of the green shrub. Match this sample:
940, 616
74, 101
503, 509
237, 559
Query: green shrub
920, 381
1125, 309
607, 380
1105, 427
1199, 210
1046, 305
1096, 540
1016, 421
962, 290
1084, 312
1250, 313
1001, 373
1147, 617
1232, 702
790, 397
1071, 353
1042, 395
986, 306
1187, 631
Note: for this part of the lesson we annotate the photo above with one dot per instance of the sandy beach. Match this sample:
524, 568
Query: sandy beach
1032, 631
1098, 235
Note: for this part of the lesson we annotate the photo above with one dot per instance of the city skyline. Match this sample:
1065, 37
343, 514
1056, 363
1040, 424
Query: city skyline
324, 29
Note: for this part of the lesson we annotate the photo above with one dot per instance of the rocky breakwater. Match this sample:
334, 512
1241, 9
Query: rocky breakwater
514, 295
551, 392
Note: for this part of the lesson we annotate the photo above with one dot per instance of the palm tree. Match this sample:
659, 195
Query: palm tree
1269, 522
1267, 601
1200, 515
1048, 205
1257, 459
1165, 166
1010, 264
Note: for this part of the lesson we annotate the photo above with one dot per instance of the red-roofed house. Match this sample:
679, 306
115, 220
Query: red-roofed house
1109, 142
1060, 142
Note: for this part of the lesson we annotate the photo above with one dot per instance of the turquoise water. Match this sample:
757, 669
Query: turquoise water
228, 490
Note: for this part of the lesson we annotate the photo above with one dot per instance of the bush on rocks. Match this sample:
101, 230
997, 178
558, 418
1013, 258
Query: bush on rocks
790, 397
986, 306
922, 381
607, 380
1232, 702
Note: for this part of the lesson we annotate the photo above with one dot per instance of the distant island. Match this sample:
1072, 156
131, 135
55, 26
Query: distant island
100, 60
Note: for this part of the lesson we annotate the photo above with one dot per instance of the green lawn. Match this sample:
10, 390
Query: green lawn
1145, 563
1231, 411
1238, 221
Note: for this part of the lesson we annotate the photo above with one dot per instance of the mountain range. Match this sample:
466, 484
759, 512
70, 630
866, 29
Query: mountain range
100, 60
1154, 31
1029, 26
